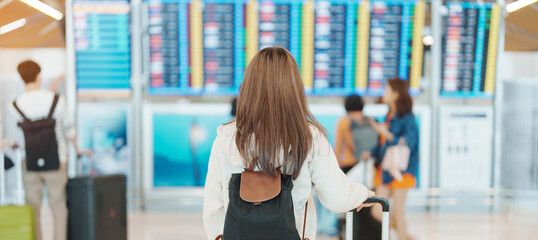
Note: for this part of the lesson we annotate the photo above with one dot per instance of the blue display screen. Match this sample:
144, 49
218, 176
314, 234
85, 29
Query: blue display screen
465, 50
102, 44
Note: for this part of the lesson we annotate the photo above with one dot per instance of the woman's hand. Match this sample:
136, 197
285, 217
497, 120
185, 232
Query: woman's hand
370, 194
385, 132
56, 83
376, 126
365, 155
382, 129
81, 153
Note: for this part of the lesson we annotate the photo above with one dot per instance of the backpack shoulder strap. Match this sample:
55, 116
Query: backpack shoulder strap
304, 223
354, 122
369, 121
53, 107
20, 112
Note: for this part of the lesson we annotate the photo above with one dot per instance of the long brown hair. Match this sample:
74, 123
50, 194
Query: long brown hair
272, 114
404, 103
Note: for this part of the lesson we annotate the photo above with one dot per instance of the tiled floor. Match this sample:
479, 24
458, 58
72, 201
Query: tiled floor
512, 225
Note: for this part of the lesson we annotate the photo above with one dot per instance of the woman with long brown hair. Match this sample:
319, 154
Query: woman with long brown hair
275, 128
400, 124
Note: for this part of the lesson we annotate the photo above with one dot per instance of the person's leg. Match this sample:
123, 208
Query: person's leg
56, 182
400, 196
392, 220
33, 187
382, 192
377, 211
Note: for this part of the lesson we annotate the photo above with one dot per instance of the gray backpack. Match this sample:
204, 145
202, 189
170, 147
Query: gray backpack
364, 136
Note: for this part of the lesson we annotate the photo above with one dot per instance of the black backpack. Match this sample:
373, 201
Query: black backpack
260, 207
40, 137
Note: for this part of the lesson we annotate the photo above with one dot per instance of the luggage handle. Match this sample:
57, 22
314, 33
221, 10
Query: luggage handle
384, 225
384, 203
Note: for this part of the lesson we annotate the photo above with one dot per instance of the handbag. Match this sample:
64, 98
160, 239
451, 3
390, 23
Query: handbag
396, 159
363, 173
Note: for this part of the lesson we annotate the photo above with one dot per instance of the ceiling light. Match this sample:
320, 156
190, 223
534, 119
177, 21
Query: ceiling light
427, 40
519, 4
12, 26
44, 8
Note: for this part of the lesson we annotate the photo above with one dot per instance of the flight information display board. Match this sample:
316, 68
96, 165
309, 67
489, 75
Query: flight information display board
168, 46
196, 47
359, 45
280, 25
223, 27
102, 44
341, 47
470, 44
391, 43
334, 46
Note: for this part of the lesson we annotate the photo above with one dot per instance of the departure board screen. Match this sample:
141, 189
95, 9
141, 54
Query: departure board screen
218, 45
102, 44
280, 25
223, 27
195, 47
341, 47
469, 49
168, 46
391, 39
274, 25
334, 46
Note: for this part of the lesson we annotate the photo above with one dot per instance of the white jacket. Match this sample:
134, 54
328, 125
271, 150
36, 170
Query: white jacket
320, 171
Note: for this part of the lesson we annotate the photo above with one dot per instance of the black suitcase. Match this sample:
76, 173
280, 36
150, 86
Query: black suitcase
97, 208
365, 226
353, 231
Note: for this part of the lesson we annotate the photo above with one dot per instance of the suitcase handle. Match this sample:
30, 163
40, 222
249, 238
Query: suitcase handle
384, 225
384, 203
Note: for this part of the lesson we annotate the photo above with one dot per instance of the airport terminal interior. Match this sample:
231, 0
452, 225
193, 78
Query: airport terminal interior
146, 83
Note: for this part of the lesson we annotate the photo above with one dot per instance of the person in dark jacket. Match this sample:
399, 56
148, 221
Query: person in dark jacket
399, 123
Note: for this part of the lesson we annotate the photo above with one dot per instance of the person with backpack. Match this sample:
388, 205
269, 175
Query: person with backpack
399, 131
354, 133
264, 164
46, 124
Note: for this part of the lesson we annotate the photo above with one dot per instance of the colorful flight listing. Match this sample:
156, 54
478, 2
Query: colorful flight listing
391, 40
168, 46
280, 25
469, 49
102, 44
274, 25
223, 46
334, 46
341, 47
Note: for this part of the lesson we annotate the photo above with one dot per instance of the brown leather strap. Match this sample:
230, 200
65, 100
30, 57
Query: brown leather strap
304, 223
251, 165
218, 237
